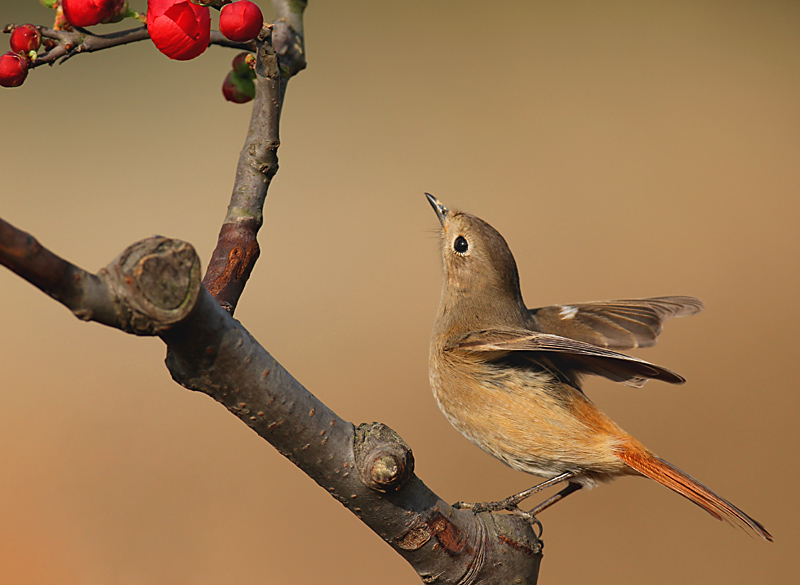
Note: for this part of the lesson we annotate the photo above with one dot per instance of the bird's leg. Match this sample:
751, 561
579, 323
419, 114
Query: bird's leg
570, 488
511, 503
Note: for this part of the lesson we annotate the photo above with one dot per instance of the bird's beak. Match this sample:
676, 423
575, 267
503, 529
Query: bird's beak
441, 210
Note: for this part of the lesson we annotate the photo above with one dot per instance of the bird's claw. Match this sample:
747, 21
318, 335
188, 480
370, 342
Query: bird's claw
508, 505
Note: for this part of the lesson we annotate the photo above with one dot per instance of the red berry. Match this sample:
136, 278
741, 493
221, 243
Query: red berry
91, 12
25, 38
238, 89
241, 21
13, 69
179, 29
241, 65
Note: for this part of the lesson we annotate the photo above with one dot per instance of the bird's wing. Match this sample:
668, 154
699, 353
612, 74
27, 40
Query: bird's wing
624, 324
572, 355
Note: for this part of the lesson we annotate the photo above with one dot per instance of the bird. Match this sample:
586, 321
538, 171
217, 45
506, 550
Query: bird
509, 378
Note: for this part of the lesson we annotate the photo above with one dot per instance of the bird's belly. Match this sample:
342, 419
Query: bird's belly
529, 420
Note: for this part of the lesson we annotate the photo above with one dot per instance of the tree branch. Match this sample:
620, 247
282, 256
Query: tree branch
153, 288
279, 56
82, 292
237, 249
288, 37
73, 42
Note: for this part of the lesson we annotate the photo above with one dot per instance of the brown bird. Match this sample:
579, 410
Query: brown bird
509, 378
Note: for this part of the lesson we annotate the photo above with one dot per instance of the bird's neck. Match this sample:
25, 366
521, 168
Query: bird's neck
462, 311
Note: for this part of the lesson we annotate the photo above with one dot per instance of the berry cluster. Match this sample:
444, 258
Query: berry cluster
25, 41
239, 86
181, 29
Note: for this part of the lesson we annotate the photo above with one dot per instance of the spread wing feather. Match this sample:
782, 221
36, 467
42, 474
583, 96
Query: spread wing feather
576, 355
623, 324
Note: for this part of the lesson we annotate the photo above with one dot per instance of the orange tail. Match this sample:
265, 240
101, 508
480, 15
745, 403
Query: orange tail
659, 470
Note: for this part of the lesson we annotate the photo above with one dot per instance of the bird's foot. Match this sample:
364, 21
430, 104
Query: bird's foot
510, 505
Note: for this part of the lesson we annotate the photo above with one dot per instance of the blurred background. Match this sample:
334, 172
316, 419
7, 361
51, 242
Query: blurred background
624, 149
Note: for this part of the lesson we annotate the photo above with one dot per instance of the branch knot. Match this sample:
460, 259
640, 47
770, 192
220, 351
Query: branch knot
383, 460
155, 284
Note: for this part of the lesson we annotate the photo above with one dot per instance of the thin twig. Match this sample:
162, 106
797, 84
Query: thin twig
80, 291
280, 55
75, 42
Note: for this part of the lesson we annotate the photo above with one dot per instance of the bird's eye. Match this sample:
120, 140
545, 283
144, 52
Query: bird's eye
460, 245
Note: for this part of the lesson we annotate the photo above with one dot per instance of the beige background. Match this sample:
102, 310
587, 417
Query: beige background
623, 148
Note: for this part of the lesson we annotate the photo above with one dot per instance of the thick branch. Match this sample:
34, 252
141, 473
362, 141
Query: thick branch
153, 288
164, 289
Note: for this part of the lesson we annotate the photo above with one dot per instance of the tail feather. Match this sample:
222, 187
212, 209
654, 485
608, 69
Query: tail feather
659, 470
